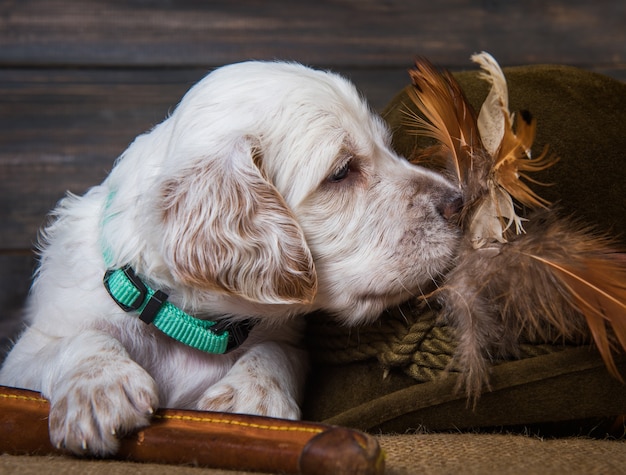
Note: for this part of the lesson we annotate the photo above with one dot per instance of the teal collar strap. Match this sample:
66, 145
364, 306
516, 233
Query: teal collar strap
133, 295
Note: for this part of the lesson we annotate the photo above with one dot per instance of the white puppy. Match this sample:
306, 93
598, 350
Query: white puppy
271, 191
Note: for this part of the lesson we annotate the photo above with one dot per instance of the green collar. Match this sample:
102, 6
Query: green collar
133, 295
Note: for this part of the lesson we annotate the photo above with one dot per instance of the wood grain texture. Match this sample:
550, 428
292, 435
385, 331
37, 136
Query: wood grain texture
62, 132
365, 33
15, 276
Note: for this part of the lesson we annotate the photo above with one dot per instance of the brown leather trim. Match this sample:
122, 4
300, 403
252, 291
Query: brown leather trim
209, 439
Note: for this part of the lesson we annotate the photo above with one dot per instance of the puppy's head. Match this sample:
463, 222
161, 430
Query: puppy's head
276, 186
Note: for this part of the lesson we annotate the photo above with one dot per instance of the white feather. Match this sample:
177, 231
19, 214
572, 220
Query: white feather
491, 119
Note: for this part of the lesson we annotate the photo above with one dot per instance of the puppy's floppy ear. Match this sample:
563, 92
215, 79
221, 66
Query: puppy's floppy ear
227, 228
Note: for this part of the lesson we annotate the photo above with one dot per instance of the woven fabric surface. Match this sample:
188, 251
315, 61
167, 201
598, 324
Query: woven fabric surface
407, 454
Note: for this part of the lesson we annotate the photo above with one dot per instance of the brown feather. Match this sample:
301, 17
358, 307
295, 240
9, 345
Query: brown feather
557, 282
449, 117
596, 284
487, 181
512, 161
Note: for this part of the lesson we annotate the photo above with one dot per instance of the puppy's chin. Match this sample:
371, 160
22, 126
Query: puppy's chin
365, 308
408, 279
368, 308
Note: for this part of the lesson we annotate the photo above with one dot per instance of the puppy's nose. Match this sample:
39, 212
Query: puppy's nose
450, 207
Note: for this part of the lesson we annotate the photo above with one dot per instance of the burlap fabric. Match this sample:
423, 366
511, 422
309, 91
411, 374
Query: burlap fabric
407, 454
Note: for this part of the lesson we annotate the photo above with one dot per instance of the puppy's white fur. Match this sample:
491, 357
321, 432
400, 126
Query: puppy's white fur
271, 191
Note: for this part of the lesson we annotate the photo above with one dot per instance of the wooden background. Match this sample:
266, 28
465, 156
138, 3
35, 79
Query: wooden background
80, 79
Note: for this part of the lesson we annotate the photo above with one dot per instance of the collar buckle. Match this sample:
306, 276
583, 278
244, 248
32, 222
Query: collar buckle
130, 299
237, 332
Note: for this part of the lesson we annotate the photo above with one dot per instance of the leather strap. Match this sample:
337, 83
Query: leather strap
209, 439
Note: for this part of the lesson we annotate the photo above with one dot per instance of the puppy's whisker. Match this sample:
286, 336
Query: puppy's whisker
406, 320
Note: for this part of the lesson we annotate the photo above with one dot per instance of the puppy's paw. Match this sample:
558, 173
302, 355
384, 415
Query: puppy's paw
93, 406
258, 396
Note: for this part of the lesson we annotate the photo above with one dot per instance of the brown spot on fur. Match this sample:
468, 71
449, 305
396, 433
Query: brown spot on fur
230, 230
55, 423
223, 402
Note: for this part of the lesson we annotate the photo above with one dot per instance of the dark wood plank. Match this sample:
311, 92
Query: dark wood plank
62, 131
15, 277
359, 33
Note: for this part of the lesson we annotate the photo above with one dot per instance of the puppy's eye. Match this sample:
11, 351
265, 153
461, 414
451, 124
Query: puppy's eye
340, 174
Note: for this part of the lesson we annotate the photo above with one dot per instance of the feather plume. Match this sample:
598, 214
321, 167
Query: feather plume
558, 282
554, 282
491, 120
449, 118
510, 149
595, 283
488, 159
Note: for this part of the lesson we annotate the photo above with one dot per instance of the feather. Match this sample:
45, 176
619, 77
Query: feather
553, 281
492, 218
596, 286
512, 162
558, 282
490, 176
450, 118
509, 147
491, 119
